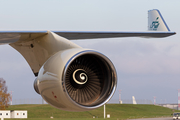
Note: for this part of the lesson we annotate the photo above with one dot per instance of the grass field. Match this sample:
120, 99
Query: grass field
116, 111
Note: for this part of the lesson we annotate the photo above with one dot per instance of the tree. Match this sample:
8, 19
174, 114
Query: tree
4, 96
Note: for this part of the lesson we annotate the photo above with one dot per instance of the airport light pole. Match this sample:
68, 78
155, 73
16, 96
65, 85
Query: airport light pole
104, 111
120, 101
178, 99
11, 97
154, 100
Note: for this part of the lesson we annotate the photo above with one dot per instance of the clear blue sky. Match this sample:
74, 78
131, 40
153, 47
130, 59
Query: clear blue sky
145, 67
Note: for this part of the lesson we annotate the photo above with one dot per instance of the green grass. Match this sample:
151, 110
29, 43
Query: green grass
117, 111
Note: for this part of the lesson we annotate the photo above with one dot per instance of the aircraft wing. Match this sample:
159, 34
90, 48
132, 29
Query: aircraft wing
7, 37
157, 28
94, 35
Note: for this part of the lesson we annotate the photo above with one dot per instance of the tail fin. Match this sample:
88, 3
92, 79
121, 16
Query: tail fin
156, 21
134, 100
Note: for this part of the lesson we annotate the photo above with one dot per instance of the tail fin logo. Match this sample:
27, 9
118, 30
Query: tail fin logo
154, 24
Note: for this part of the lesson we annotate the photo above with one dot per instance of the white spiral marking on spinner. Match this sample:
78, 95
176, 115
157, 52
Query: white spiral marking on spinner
83, 77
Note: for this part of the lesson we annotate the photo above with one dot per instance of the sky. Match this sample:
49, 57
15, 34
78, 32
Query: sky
146, 67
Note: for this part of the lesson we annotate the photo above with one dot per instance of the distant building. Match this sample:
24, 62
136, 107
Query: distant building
18, 114
13, 114
5, 114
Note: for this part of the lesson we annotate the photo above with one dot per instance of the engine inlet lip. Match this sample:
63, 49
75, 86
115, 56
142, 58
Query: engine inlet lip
113, 73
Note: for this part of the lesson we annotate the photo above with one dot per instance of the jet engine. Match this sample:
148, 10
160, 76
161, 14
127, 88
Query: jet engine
77, 80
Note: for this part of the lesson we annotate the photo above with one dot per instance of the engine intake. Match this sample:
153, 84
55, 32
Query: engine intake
78, 80
87, 79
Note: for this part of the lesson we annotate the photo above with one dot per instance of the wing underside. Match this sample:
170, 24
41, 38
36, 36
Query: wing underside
94, 35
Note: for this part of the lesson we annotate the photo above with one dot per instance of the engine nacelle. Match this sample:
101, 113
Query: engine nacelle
77, 80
